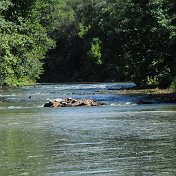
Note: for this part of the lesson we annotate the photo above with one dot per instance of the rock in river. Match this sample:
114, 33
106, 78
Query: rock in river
70, 102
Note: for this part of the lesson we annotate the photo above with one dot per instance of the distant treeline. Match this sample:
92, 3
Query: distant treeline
88, 40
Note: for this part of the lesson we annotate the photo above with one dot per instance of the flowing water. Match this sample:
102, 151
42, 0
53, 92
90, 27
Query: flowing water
120, 138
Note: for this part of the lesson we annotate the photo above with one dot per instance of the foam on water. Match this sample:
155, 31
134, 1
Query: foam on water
18, 107
123, 104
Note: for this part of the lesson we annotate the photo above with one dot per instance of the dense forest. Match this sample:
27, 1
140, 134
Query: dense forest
88, 40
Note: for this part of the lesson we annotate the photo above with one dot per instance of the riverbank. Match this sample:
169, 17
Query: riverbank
138, 91
150, 96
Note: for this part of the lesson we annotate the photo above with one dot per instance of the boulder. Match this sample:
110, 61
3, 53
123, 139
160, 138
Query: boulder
70, 102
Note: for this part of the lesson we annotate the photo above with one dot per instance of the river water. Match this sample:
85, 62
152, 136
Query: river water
120, 138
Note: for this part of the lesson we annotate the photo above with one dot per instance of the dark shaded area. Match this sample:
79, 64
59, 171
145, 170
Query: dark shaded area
114, 41
158, 98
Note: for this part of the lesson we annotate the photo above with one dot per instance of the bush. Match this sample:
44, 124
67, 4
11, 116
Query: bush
164, 79
173, 84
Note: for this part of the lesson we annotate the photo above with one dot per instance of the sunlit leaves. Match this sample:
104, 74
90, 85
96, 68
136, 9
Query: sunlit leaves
83, 30
23, 43
95, 51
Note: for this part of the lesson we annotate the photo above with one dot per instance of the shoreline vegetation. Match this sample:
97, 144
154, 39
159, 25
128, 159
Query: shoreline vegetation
102, 40
90, 41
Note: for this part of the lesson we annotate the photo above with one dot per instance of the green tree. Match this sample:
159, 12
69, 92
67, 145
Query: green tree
148, 33
23, 43
113, 40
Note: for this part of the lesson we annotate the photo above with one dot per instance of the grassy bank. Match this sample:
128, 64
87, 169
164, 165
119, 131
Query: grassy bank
138, 91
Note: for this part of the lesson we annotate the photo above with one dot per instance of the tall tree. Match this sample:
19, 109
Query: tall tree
148, 34
23, 43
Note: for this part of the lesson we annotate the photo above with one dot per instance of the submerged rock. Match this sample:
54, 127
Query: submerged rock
70, 102
2, 101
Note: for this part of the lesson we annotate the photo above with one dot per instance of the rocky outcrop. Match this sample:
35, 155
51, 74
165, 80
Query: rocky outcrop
70, 102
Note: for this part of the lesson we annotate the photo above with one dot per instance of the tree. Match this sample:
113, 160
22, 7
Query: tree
148, 33
23, 43
99, 40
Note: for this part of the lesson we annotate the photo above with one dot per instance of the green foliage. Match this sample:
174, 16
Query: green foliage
95, 51
50, 14
164, 78
148, 33
152, 81
83, 30
173, 84
23, 43
128, 39
4, 4
95, 41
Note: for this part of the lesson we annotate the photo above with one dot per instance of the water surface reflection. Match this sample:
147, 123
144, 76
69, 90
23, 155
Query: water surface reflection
108, 140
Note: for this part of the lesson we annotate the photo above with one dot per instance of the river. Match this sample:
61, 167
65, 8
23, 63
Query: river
120, 138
